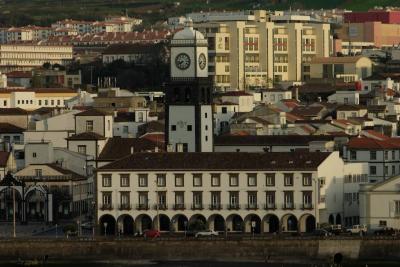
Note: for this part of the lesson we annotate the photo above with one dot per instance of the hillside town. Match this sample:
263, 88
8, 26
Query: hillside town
243, 122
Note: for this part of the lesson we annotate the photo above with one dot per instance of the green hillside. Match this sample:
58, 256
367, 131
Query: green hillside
43, 12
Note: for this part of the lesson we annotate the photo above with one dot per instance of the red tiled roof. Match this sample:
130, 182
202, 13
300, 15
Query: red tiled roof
375, 135
370, 143
236, 93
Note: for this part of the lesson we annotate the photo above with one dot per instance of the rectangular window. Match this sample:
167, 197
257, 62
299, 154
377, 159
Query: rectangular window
179, 200
307, 179
89, 126
124, 179
125, 129
372, 155
252, 179
353, 155
288, 200
197, 179
189, 128
372, 170
46, 102
386, 155
143, 180
270, 179
215, 179
307, 200
288, 179
252, 200
107, 200
197, 200
234, 200
173, 128
215, 200
397, 208
270, 200
224, 110
106, 180
143, 201
124, 201
179, 180
233, 179
161, 180
82, 149
38, 172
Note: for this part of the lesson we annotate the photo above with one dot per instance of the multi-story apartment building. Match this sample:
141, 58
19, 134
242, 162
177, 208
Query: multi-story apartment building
28, 56
382, 156
253, 49
259, 192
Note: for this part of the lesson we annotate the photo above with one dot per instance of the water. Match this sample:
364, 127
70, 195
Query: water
197, 264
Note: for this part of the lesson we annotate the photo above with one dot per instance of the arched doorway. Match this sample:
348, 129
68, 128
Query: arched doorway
252, 224
36, 209
126, 225
7, 204
331, 220
107, 225
197, 223
307, 223
234, 223
143, 222
165, 223
338, 219
216, 222
179, 223
289, 223
271, 223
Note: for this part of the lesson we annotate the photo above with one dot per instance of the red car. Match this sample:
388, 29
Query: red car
151, 233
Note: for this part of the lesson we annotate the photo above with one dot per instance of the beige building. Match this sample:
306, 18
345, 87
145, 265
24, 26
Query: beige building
349, 69
28, 56
253, 51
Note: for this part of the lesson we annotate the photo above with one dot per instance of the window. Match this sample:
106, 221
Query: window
46, 102
143, 180
307, 200
107, 200
125, 129
386, 155
179, 180
5, 103
34, 155
288, 200
270, 200
215, 179
173, 127
372, 170
197, 180
215, 200
393, 154
224, 110
288, 178
52, 102
38, 172
124, 200
106, 180
161, 180
382, 223
179, 200
16, 138
89, 126
143, 201
124, 180
189, 128
270, 179
233, 179
397, 208
252, 179
58, 102
197, 200
82, 149
234, 200
307, 179
372, 155
252, 200
353, 155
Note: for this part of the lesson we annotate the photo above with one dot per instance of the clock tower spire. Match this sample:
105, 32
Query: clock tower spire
189, 120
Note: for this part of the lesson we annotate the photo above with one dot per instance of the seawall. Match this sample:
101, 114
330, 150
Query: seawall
202, 249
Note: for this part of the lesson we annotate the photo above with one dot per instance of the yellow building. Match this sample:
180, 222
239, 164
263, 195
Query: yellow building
255, 49
28, 56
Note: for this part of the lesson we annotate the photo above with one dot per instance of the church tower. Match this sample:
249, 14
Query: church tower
189, 119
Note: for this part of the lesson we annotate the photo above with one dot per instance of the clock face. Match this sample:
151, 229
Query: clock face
202, 61
182, 61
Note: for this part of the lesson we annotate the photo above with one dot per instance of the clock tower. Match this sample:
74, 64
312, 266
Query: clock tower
189, 119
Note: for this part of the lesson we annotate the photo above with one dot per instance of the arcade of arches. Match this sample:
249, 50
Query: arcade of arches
126, 224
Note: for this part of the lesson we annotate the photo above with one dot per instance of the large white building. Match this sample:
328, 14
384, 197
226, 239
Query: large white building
225, 191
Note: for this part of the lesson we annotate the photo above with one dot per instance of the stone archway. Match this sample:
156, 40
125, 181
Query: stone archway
216, 222
252, 222
197, 222
126, 224
179, 223
143, 222
234, 223
165, 223
307, 223
271, 223
36, 205
289, 223
107, 225
7, 204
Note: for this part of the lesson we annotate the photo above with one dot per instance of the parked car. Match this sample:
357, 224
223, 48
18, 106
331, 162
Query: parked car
151, 233
358, 229
321, 232
209, 233
87, 225
386, 231
335, 229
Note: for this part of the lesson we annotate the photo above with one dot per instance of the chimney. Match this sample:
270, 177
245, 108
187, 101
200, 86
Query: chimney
132, 150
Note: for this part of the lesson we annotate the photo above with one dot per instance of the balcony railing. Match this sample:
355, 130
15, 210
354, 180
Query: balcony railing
106, 206
161, 206
233, 206
197, 206
125, 206
142, 206
252, 206
307, 206
270, 206
288, 206
215, 206
179, 206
